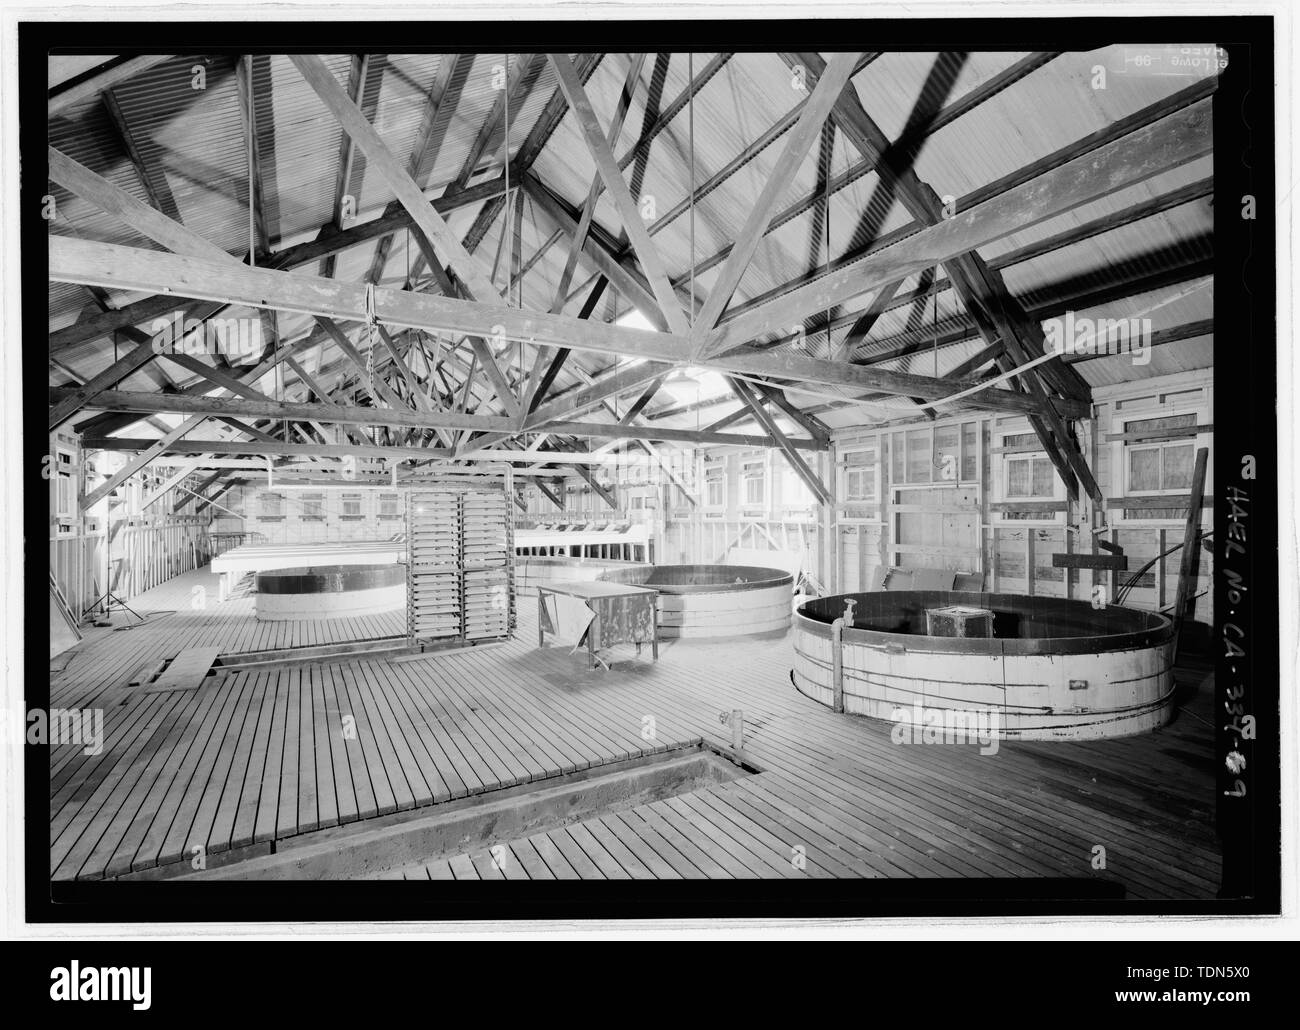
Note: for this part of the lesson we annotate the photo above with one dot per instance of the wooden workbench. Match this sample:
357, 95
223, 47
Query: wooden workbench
619, 614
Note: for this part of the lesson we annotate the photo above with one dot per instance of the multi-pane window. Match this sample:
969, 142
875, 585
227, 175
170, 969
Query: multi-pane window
313, 506
1026, 476
389, 505
65, 486
271, 506
1022, 472
858, 479
351, 506
715, 488
753, 482
1161, 466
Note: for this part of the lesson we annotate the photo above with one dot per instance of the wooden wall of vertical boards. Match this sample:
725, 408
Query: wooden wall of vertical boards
117, 544
850, 544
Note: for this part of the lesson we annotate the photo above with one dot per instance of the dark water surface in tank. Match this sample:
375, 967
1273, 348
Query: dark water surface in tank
1015, 616
693, 579
330, 579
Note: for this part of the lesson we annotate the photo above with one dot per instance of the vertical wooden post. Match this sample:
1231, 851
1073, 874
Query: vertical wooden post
1069, 573
1161, 544
837, 665
1191, 551
828, 540
1114, 573
1029, 562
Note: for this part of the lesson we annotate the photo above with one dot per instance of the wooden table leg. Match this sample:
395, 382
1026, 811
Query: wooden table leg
654, 629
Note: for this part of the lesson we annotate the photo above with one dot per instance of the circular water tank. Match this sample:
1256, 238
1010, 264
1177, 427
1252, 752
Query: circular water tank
714, 600
1052, 668
329, 591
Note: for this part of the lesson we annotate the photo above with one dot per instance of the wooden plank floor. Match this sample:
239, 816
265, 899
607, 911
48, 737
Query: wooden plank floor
185, 613
261, 755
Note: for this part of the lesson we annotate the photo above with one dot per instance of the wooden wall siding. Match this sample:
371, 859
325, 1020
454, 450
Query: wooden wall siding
1014, 555
139, 550
859, 556
1144, 538
78, 566
143, 557
534, 519
296, 526
151, 554
937, 527
580, 501
703, 541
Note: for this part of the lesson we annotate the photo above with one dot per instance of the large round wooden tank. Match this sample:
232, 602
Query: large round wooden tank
329, 591
714, 600
532, 570
1051, 669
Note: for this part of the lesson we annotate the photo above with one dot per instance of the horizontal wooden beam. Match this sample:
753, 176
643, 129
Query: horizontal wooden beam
270, 448
139, 462
270, 409
103, 264
109, 377
1113, 562
327, 243
616, 431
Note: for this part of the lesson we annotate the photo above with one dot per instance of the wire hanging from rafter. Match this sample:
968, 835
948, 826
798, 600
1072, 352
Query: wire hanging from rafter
514, 286
690, 130
826, 221
372, 326
934, 320
252, 178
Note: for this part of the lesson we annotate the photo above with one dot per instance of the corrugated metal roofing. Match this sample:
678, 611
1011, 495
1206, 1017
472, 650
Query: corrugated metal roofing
295, 132
186, 116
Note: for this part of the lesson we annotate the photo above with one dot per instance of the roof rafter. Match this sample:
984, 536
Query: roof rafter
829, 85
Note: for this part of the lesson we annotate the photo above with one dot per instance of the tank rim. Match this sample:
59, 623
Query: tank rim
764, 578
328, 579
1161, 632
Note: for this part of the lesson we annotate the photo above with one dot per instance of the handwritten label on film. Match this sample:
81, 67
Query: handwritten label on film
1239, 724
